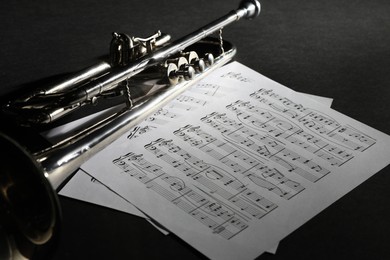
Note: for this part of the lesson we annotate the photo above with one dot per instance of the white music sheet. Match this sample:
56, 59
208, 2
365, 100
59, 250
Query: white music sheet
240, 163
86, 188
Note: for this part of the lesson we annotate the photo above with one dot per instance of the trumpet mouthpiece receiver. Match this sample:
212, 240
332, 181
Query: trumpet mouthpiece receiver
252, 8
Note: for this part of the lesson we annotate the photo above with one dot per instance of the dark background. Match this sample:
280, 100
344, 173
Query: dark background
333, 48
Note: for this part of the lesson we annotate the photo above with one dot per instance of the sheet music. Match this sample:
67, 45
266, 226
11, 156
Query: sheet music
86, 188
240, 163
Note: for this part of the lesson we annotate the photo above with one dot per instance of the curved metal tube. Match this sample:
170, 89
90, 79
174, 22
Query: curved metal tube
46, 170
72, 155
248, 9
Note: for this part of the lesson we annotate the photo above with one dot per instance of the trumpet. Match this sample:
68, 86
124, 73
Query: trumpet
140, 75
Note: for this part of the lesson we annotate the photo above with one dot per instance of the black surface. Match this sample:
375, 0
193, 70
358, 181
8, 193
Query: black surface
333, 48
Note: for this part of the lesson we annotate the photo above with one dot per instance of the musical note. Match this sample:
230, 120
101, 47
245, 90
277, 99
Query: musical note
165, 113
156, 120
206, 89
190, 99
316, 122
267, 148
239, 162
280, 127
237, 76
138, 131
212, 178
203, 207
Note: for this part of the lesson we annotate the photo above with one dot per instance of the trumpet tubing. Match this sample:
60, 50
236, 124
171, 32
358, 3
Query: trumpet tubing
29, 210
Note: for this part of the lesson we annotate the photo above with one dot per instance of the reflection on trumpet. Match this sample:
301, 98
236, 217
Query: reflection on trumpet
142, 74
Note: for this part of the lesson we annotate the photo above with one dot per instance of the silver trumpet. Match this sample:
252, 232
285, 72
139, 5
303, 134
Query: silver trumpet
142, 74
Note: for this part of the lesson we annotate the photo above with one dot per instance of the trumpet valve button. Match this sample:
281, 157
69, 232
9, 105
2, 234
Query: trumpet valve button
199, 65
209, 59
171, 73
186, 71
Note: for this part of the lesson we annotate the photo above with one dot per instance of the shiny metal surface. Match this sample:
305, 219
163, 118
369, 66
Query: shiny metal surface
68, 155
28, 191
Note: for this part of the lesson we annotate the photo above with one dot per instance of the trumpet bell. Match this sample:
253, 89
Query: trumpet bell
29, 205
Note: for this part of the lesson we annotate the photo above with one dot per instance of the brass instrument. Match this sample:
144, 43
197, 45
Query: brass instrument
143, 73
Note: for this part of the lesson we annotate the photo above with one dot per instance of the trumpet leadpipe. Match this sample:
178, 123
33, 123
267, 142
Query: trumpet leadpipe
248, 9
